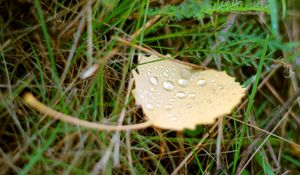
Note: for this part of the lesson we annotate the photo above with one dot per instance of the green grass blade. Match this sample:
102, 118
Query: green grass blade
39, 152
251, 101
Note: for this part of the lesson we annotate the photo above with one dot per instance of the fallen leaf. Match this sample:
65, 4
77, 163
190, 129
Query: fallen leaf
176, 96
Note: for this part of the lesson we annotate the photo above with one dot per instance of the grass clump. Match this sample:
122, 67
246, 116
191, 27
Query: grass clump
46, 46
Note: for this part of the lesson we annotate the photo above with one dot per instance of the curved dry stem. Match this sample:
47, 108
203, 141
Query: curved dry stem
33, 102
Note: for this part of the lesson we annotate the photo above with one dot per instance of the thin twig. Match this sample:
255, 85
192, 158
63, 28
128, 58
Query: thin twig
266, 132
273, 155
90, 70
101, 164
73, 49
219, 142
116, 49
294, 80
89, 33
129, 157
279, 98
120, 121
146, 26
197, 147
274, 119
73, 22
262, 144
6, 159
9, 102
152, 52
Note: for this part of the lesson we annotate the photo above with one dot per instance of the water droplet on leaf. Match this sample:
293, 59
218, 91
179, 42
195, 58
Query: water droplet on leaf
166, 74
180, 94
201, 82
185, 73
168, 85
192, 96
168, 107
154, 80
149, 106
183, 82
188, 106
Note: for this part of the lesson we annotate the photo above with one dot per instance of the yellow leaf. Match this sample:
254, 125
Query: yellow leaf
176, 96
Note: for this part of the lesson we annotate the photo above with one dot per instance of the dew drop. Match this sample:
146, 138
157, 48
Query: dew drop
152, 89
185, 73
168, 85
221, 87
168, 107
201, 82
183, 82
180, 94
149, 106
192, 96
173, 118
154, 80
173, 99
149, 73
188, 106
166, 74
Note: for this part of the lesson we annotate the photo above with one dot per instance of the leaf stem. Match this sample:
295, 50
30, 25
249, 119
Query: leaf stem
37, 105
